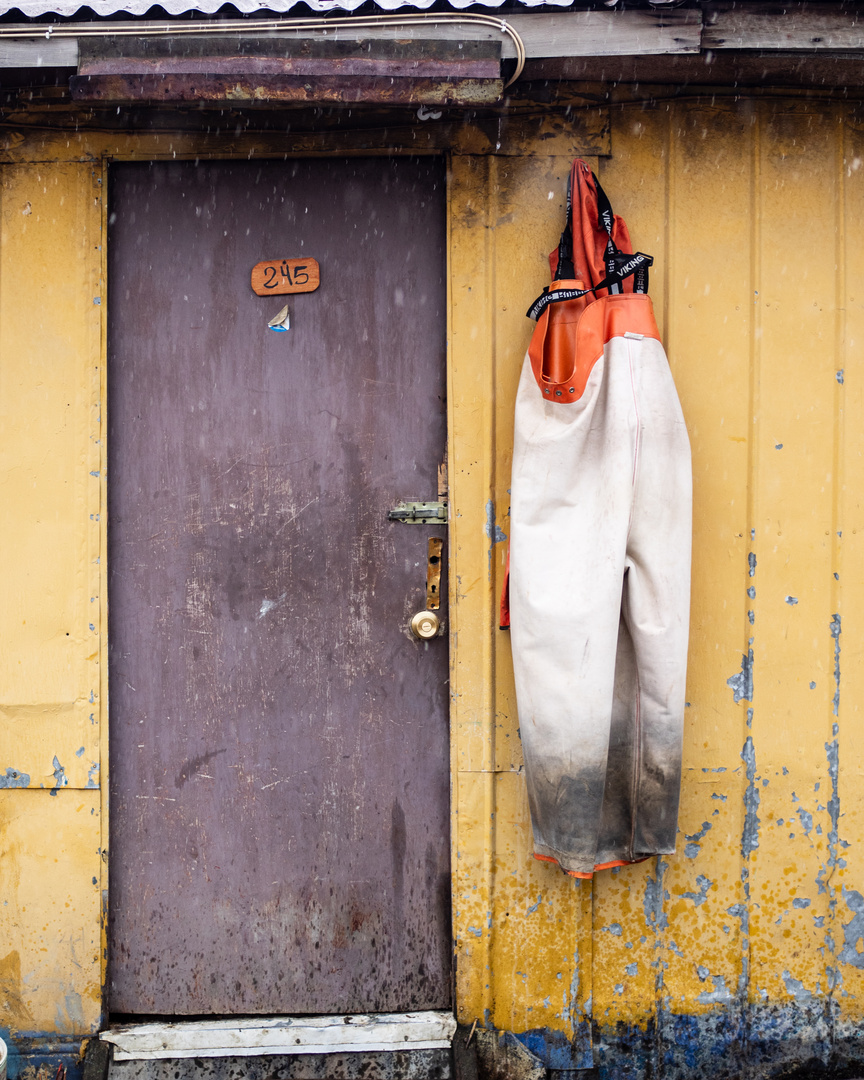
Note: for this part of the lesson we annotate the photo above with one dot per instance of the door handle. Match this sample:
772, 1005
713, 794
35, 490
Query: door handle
426, 624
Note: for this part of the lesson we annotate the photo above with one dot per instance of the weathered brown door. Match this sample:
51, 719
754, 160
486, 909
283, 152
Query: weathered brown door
279, 747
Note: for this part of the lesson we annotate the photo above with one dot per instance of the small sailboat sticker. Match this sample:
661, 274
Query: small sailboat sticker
281, 322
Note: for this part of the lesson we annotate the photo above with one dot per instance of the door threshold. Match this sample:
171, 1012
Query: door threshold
249, 1036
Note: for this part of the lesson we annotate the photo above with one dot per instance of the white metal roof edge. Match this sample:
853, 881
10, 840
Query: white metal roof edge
64, 8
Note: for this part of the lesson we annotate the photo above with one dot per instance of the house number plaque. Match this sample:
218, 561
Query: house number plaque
285, 276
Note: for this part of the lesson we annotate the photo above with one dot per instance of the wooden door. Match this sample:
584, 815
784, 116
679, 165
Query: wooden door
279, 746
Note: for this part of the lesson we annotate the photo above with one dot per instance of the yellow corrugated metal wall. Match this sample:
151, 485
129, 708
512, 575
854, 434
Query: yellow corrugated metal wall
52, 607
746, 946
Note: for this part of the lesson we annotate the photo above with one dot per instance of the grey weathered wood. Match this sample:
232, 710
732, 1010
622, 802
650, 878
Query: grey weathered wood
38, 52
797, 26
606, 33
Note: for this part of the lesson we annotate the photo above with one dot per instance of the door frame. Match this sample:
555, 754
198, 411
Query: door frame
424, 1029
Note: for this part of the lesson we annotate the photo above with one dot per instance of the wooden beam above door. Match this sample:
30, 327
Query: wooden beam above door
265, 68
250, 89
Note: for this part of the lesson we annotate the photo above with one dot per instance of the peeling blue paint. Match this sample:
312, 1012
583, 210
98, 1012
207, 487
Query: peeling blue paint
853, 931
835, 633
692, 847
796, 988
750, 833
751, 592
79, 753
555, 1050
631, 969
800, 902
74, 1011
742, 683
751, 563
473, 930
495, 533
832, 751
806, 819
36, 1054
704, 884
792, 600
720, 995
534, 907
93, 775
840, 376
60, 779
655, 894
14, 778
717, 795
580, 1018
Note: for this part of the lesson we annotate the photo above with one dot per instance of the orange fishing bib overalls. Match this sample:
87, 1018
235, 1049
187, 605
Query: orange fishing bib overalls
599, 580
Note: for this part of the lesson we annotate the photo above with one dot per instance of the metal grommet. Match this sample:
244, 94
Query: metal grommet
572, 389
546, 391
557, 393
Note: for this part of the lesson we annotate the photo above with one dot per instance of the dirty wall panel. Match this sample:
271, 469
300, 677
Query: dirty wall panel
50, 475
471, 403
791, 568
844, 857
706, 289
50, 603
50, 955
493, 216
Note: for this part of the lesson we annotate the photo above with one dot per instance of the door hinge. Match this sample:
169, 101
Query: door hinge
419, 513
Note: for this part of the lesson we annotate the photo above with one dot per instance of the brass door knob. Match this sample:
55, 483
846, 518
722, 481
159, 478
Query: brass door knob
425, 625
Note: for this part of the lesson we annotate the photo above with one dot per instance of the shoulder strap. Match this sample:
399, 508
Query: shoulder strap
619, 265
634, 264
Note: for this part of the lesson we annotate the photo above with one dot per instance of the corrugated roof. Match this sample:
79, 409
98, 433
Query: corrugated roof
33, 8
